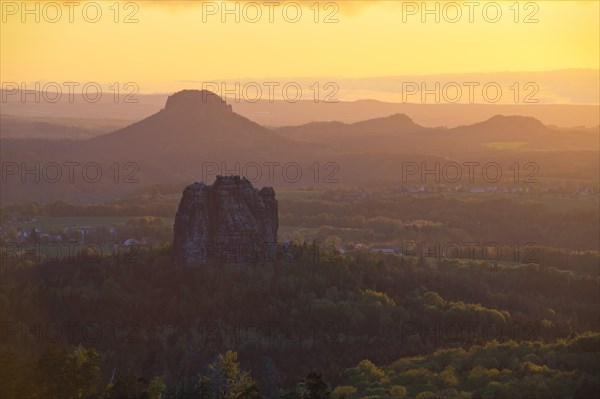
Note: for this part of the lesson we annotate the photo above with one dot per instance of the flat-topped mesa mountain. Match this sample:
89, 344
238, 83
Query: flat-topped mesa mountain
228, 222
192, 123
202, 103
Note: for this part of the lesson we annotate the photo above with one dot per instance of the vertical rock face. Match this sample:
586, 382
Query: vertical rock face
229, 222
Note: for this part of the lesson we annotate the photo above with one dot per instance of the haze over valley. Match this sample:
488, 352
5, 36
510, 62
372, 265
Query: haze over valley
299, 200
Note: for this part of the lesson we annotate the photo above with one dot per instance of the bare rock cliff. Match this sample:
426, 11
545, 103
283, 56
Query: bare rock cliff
229, 221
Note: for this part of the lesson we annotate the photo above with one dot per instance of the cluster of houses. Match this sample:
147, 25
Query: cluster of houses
81, 235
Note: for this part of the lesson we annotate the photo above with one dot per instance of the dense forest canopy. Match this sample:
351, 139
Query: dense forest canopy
478, 329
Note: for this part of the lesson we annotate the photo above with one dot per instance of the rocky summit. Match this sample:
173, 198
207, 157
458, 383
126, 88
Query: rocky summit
229, 221
197, 101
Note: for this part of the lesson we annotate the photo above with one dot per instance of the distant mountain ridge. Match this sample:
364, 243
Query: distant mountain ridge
197, 131
399, 130
400, 123
395, 123
280, 113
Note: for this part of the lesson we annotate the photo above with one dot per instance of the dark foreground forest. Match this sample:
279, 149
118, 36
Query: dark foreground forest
315, 324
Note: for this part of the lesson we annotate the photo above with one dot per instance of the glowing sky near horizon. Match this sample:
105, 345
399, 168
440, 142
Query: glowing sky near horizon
171, 43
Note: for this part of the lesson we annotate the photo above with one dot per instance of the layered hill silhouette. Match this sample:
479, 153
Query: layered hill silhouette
12, 126
399, 131
197, 131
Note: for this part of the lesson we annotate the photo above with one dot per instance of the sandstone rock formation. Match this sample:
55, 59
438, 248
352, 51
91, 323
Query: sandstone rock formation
197, 102
229, 222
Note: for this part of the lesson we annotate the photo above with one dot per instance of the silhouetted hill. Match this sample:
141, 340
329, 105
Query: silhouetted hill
504, 128
401, 123
577, 86
377, 135
12, 126
193, 123
399, 133
502, 123
396, 123
393, 124
524, 133
197, 136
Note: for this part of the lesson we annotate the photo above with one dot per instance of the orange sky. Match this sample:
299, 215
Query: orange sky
177, 42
